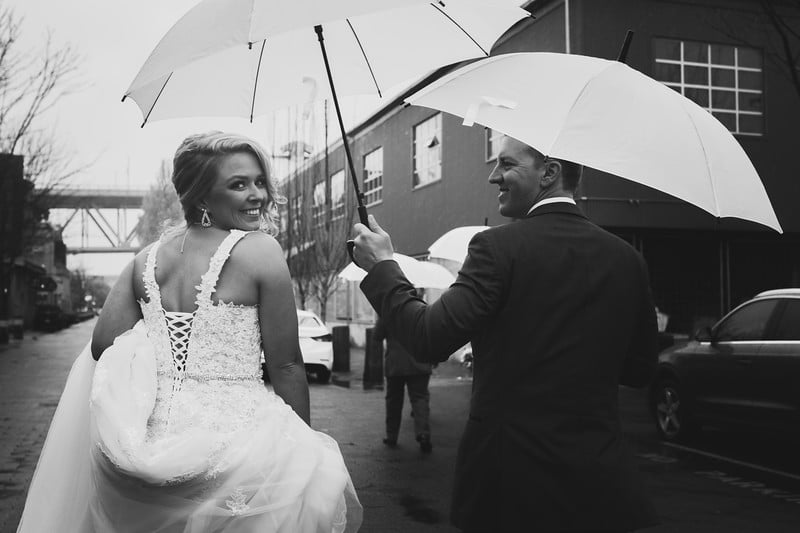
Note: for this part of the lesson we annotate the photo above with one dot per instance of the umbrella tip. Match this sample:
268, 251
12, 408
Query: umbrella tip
623, 52
124, 96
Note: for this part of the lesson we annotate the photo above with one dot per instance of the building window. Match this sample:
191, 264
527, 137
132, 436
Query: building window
318, 207
492, 143
427, 151
373, 176
296, 212
337, 196
726, 80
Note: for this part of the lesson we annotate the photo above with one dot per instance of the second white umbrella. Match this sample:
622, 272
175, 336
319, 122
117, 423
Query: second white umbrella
420, 273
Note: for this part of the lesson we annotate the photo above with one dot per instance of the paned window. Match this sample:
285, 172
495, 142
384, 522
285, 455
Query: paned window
373, 176
492, 143
318, 207
296, 211
337, 196
726, 80
427, 151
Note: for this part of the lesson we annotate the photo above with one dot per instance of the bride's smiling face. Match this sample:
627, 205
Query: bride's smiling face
239, 194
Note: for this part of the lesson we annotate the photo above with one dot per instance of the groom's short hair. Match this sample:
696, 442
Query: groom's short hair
570, 172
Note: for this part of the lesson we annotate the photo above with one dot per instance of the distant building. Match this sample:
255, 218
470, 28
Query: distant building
47, 249
424, 173
33, 267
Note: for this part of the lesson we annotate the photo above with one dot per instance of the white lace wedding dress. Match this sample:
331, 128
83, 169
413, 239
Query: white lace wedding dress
181, 434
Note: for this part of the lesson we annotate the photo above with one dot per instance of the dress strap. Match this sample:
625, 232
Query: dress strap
208, 283
149, 275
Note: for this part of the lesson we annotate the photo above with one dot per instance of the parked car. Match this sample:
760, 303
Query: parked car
743, 371
48, 317
316, 345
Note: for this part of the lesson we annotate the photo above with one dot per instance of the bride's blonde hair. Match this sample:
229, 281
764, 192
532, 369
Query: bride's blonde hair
195, 169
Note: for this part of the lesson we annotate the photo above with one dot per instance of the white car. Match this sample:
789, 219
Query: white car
316, 345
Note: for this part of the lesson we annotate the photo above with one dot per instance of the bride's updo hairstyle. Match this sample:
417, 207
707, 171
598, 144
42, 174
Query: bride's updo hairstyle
195, 170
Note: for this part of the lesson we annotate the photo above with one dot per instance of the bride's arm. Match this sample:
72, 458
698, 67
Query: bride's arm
120, 313
278, 319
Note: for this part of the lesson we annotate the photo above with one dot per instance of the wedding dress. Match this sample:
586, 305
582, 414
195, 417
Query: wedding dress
181, 434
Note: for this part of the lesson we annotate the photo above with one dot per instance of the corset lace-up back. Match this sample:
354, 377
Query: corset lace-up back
208, 361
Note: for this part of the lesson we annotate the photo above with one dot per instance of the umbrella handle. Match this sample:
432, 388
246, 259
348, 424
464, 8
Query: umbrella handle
351, 244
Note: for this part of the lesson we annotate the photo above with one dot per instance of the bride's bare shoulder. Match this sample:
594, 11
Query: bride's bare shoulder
259, 252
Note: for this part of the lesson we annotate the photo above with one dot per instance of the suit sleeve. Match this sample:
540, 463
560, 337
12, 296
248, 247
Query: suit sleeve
432, 332
640, 361
379, 331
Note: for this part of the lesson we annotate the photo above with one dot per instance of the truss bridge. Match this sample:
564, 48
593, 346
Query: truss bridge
97, 220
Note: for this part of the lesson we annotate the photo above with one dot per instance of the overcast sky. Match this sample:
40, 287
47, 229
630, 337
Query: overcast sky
113, 39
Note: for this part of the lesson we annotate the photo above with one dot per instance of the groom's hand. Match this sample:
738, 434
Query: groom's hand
372, 244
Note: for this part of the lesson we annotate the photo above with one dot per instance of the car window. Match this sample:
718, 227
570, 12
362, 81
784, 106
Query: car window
747, 323
307, 322
788, 328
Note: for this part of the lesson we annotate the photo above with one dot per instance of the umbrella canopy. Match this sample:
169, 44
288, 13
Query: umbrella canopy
608, 116
453, 244
420, 273
246, 57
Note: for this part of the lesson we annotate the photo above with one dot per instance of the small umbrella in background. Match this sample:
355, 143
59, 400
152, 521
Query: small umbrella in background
608, 116
453, 245
421, 274
246, 57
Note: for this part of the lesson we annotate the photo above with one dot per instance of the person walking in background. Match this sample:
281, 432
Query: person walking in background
403, 371
559, 313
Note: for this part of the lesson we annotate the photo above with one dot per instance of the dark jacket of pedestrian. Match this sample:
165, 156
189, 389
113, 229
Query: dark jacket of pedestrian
396, 359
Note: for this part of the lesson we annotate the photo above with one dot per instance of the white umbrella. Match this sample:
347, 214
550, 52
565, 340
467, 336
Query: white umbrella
453, 244
246, 57
608, 116
420, 273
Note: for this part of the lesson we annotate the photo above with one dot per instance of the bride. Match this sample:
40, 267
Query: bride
172, 429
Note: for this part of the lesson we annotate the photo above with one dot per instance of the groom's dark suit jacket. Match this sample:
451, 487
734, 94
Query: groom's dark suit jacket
559, 313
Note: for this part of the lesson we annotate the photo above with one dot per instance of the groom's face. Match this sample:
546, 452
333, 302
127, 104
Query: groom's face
517, 174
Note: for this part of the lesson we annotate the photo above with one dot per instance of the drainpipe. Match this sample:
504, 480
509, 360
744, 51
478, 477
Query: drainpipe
566, 25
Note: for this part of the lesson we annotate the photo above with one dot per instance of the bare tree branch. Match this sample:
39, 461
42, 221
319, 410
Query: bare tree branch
773, 26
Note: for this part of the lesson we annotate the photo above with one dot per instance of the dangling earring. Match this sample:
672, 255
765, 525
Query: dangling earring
205, 220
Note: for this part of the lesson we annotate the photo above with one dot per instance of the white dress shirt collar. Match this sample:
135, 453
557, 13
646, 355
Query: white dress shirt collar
554, 200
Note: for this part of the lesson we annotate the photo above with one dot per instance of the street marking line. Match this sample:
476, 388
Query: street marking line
733, 461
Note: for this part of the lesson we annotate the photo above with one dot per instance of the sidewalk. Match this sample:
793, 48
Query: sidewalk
32, 375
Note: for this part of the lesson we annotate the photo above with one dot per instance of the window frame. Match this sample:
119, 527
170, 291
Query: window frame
709, 65
416, 183
338, 205
318, 209
487, 143
365, 180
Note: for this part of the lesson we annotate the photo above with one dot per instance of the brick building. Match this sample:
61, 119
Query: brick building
424, 173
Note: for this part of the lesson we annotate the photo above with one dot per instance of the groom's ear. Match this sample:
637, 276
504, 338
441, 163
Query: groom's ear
552, 172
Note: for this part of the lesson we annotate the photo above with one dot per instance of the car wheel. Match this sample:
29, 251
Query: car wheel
673, 420
323, 374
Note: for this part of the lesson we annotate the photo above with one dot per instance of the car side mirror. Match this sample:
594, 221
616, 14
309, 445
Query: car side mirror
703, 335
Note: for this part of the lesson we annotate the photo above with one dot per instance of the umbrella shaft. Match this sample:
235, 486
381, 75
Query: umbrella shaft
362, 211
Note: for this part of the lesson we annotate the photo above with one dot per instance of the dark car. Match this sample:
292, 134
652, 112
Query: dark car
49, 318
743, 371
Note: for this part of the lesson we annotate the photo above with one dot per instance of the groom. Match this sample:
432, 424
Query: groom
559, 313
